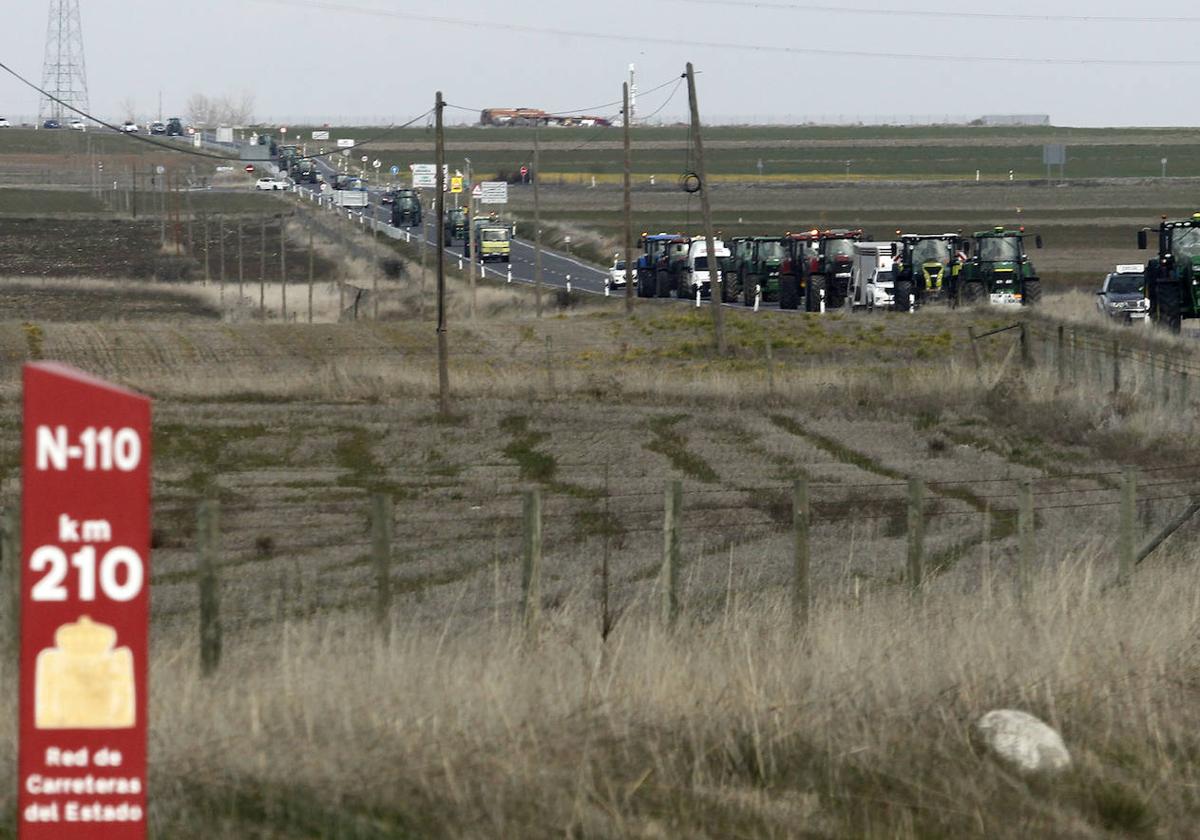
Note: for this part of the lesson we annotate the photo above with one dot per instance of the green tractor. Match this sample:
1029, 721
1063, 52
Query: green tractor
927, 267
999, 270
456, 223
755, 264
1173, 277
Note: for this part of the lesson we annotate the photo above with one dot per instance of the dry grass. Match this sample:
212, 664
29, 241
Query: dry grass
741, 726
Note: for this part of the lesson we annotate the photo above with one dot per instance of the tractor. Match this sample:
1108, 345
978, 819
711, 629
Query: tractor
926, 268
406, 208
662, 265
456, 223
1173, 277
816, 268
755, 265
999, 270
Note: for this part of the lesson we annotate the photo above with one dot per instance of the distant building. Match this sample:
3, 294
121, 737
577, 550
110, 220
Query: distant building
536, 116
1001, 120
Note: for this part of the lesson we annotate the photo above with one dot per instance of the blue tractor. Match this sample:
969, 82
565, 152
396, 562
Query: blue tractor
663, 261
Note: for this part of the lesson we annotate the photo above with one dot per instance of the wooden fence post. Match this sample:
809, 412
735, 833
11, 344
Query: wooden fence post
550, 366
673, 510
770, 369
531, 570
801, 591
10, 579
1126, 545
207, 270
283, 313
1026, 347
1116, 367
311, 274
975, 353
210, 595
381, 554
916, 533
1061, 358
221, 250
1025, 525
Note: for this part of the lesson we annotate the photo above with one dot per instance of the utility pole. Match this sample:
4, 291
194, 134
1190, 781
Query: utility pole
537, 221
628, 118
440, 198
470, 237
714, 273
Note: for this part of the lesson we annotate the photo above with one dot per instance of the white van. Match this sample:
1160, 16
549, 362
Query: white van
697, 267
872, 283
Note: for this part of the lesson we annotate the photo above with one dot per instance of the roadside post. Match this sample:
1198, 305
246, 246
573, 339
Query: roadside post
85, 613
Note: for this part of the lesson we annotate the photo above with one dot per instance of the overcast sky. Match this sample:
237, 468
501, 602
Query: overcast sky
334, 64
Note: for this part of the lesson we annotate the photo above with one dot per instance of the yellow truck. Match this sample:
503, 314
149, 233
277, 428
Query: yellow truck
493, 240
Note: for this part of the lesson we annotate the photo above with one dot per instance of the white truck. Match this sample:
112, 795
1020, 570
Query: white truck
350, 192
697, 278
872, 283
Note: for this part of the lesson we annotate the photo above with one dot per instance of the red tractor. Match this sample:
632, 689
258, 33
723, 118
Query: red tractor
816, 268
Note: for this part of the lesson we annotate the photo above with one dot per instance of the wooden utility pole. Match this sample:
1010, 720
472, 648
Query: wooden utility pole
537, 221
628, 203
714, 272
283, 269
470, 237
440, 198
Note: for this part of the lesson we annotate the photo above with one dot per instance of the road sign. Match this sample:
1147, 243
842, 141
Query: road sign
424, 175
456, 183
249, 167
160, 169
395, 169
476, 191
345, 143
320, 135
524, 171
1054, 154
283, 129
493, 192
85, 608
377, 163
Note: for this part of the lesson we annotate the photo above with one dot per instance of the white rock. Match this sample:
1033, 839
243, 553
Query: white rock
1023, 741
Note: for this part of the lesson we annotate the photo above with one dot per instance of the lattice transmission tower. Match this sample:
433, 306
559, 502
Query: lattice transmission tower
64, 74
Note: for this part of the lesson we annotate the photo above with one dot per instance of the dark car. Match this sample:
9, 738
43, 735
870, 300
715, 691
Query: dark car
1123, 295
388, 197
51, 124
174, 127
158, 128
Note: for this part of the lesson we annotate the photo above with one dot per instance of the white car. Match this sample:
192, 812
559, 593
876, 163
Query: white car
270, 184
616, 274
130, 127
3, 122
77, 125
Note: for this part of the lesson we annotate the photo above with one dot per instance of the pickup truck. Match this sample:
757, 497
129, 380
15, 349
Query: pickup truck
350, 192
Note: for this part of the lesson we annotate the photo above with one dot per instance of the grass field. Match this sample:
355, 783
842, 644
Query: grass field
736, 723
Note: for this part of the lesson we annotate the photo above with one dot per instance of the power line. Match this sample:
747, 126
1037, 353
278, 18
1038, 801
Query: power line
830, 52
955, 15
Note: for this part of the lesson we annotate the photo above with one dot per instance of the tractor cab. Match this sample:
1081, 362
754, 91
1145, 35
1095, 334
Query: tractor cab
1172, 278
1000, 271
930, 264
662, 263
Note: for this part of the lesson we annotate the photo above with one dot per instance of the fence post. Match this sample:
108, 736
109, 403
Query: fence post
975, 353
221, 250
1025, 526
10, 579
381, 555
770, 369
210, 595
207, 270
550, 366
1126, 546
311, 273
283, 269
673, 510
1026, 347
1116, 367
531, 570
1185, 398
916, 533
1061, 359
801, 592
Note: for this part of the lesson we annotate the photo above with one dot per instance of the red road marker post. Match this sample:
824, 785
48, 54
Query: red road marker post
85, 607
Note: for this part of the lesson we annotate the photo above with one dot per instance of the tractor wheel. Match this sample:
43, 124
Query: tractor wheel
973, 293
1033, 292
643, 285
902, 296
747, 290
812, 295
1168, 307
789, 292
662, 284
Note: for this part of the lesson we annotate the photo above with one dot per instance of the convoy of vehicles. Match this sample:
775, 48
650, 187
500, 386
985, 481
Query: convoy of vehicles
1172, 278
